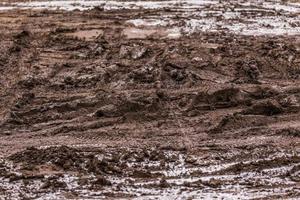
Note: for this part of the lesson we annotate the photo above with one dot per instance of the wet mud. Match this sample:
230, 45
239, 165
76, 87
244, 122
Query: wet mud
94, 105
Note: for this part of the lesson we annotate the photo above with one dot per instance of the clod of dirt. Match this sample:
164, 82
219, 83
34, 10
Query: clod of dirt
196, 184
15, 177
214, 183
138, 103
176, 61
30, 82
251, 71
223, 98
226, 97
134, 52
138, 52
157, 155
236, 121
142, 174
53, 183
103, 166
3, 171
144, 74
178, 75
261, 164
102, 181
22, 34
294, 173
293, 132
261, 92
63, 157
190, 159
22, 39
107, 111
164, 183
266, 107
25, 99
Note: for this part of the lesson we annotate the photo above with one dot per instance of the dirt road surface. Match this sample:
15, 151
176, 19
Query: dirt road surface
150, 99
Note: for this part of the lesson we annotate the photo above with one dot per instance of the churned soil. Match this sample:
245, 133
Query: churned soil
93, 107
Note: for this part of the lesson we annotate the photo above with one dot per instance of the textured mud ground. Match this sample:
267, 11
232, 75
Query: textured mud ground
93, 105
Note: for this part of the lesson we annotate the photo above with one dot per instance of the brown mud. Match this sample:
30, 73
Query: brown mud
89, 110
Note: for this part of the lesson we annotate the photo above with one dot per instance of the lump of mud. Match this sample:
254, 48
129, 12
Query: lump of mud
141, 174
190, 159
22, 34
294, 173
249, 69
176, 61
261, 92
132, 52
178, 75
266, 107
226, 97
237, 121
261, 164
53, 183
15, 177
214, 183
146, 74
24, 100
103, 166
157, 155
3, 170
101, 181
137, 102
131, 105
21, 40
164, 183
223, 98
138, 52
107, 111
293, 132
30, 82
64, 157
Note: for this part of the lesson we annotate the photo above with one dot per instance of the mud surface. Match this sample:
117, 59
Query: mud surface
111, 103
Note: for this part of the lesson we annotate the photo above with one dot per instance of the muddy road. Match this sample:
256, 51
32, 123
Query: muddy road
150, 99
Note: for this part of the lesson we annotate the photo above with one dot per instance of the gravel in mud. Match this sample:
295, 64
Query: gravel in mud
107, 103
